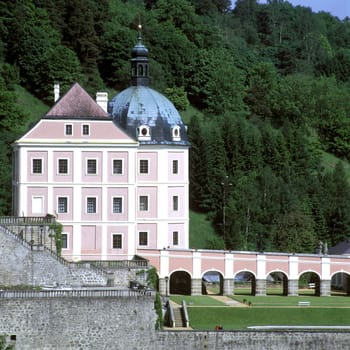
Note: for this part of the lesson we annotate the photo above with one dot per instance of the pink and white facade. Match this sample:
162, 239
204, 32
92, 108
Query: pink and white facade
114, 192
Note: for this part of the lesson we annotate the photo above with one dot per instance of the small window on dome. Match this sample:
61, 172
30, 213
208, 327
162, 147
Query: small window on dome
176, 133
143, 133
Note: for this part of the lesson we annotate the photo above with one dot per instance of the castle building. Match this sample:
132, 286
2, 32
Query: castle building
114, 174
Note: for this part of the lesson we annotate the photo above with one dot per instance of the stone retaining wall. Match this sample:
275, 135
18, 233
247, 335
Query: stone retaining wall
19, 265
115, 323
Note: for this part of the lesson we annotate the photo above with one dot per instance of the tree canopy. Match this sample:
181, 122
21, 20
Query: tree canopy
270, 82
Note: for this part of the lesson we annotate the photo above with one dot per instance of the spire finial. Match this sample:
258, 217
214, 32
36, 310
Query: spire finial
139, 26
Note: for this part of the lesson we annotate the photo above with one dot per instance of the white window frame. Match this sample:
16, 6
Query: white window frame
147, 203
42, 198
122, 166
58, 166
87, 166
141, 167
121, 240
82, 129
121, 204
175, 166
58, 206
65, 129
176, 235
41, 166
67, 240
175, 203
86, 204
147, 237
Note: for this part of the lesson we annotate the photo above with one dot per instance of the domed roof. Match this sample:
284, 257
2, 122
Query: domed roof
139, 106
143, 112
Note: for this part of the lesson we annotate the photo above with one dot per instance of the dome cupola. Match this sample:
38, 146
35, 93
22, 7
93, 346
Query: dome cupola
144, 113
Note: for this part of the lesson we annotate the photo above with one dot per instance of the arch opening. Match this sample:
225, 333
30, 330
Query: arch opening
340, 284
277, 283
309, 284
244, 283
213, 283
180, 283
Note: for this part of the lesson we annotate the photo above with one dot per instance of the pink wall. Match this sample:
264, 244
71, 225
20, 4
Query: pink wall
152, 166
152, 234
309, 264
117, 192
37, 192
63, 177
91, 192
181, 261
179, 192
277, 263
63, 192
111, 252
245, 262
91, 177
50, 129
179, 156
151, 192
117, 178
91, 242
181, 230
37, 177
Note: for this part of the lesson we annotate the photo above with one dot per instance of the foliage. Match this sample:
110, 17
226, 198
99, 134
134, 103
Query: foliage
159, 311
4, 345
270, 83
57, 229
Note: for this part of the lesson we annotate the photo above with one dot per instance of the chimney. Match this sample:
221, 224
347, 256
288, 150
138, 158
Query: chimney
102, 100
56, 91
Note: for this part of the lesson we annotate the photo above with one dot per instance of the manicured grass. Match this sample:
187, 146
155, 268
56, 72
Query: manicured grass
201, 300
277, 301
232, 318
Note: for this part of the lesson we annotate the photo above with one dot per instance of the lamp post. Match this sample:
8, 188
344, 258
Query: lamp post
225, 185
166, 285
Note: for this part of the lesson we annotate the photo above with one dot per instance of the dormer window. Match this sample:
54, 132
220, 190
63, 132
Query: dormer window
144, 133
175, 133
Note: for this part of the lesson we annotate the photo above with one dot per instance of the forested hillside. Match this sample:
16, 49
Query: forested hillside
270, 82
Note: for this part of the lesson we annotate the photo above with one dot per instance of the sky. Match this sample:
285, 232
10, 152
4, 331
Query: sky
338, 8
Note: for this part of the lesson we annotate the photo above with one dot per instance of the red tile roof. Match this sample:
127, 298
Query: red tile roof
76, 103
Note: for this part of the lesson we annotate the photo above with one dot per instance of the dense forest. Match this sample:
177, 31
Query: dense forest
268, 84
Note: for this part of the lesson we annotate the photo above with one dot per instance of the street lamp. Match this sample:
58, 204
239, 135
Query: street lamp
166, 285
225, 185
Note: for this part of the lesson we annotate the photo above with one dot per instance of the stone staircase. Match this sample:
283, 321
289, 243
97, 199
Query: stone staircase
179, 322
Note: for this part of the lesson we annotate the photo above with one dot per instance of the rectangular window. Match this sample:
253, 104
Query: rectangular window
117, 166
64, 240
63, 166
117, 241
175, 166
69, 129
91, 166
91, 205
117, 205
143, 238
175, 238
143, 166
62, 205
37, 166
175, 203
143, 203
86, 129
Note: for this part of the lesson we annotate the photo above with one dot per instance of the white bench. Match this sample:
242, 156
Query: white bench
304, 303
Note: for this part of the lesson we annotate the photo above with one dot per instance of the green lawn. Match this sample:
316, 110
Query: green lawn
233, 318
206, 312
